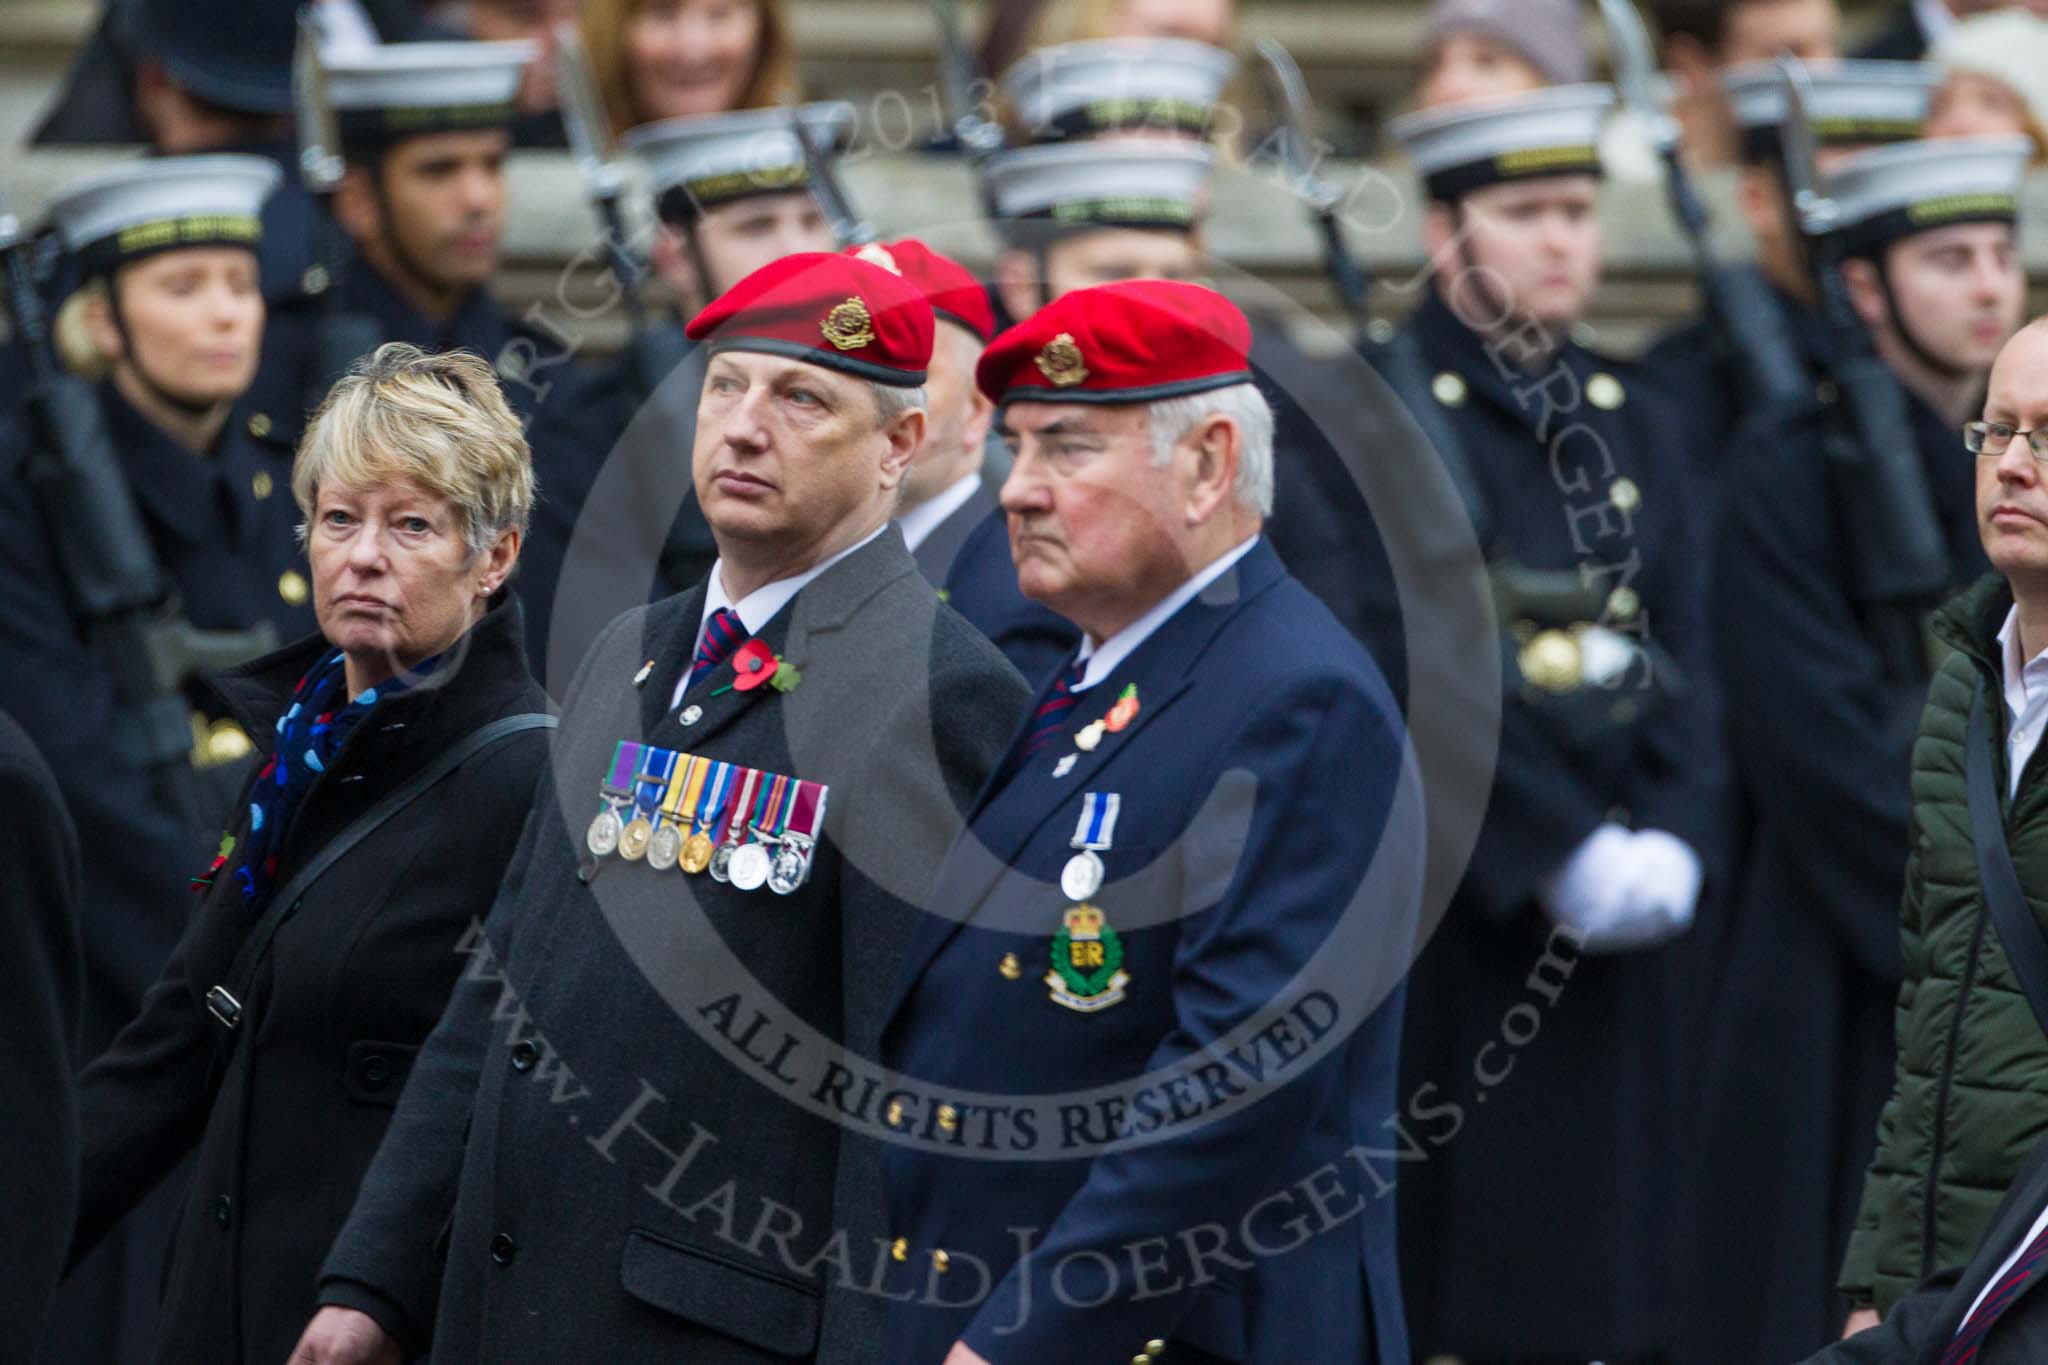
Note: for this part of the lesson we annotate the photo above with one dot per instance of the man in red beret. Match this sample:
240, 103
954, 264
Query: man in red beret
944, 495
1145, 1046
635, 1136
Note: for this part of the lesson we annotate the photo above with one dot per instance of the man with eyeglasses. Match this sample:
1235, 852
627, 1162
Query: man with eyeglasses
1969, 1105
1826, 678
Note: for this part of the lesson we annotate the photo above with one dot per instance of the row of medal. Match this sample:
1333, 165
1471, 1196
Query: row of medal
745, 827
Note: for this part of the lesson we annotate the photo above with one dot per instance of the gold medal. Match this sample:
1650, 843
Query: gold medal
634, 839
697, 851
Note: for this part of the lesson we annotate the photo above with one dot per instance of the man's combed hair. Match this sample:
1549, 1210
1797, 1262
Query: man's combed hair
893, 400
440, 421
1169, 420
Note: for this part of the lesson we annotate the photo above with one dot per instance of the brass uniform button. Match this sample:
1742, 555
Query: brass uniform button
226, 742
893, 1115
291, 586
1625, 496
1010, 967
1155, 1347
1141, 1360
899, 1250
1623, 604
1605, 392
262, 485
1448, 389
949, 1117
941, 1262
1551, 661
259, 424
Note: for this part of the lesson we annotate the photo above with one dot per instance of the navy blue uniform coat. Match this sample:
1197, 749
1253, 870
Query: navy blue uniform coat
1256, 781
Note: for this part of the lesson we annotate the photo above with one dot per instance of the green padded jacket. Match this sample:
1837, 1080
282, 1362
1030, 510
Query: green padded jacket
1969, 1094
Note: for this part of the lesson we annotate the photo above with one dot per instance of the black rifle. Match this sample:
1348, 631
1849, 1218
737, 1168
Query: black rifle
343, 336
115, 586
1751, 339
650, 352
1898, 558
848, 228
1397, 360
979, 138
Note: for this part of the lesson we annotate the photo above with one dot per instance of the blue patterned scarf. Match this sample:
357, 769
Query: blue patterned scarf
312, 730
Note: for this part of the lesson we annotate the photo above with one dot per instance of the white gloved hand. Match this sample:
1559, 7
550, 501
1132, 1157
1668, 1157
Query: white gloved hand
1668, 875
1593, 886
1621, 891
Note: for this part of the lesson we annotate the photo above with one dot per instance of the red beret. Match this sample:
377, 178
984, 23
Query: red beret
1129, 342
954, 293
830, 310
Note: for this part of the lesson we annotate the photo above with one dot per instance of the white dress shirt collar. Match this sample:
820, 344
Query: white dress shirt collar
758, 607
1934, 19
2026, 699
920, 521
1103, 659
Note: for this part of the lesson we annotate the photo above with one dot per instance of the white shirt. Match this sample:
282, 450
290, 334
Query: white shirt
1102, 659
923, 519
2026, 700
758, 607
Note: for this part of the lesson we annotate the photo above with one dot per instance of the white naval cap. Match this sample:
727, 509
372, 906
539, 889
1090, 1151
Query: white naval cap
1116, 84
1853, 103
1137, 182
1518, 137
1885, 193
397, 90
697, 162
161, 203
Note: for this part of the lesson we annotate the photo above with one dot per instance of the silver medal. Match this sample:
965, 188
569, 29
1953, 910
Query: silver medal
664, 848
791, 865
1082, 876
603, 838
749, 867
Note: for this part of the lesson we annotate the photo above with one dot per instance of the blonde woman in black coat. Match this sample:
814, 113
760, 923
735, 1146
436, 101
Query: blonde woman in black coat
278, 1039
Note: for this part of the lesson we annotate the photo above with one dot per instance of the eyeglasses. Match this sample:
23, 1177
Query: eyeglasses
1991, 438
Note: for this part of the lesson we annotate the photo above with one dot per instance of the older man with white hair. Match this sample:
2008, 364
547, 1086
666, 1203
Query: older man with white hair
1148, 1028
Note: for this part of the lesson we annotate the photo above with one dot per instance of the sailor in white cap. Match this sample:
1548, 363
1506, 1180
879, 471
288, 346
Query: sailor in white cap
732, 193
170, 314
1823, 748
1084, 213
1599, 829
424, 131
1852, 105
1170, 86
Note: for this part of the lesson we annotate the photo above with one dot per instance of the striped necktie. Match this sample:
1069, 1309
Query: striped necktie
1963, 1348
723, 633
1051, 715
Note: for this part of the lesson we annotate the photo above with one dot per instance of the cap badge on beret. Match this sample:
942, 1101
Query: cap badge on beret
848, 326
874, 253
1060, 362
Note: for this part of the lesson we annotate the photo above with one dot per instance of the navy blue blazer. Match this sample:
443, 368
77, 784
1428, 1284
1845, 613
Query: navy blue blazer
982, 586
1250, 1063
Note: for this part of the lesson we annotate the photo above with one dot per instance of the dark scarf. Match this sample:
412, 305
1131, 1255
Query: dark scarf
314, 727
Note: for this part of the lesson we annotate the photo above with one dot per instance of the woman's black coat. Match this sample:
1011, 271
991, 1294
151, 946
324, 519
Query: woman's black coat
354, 982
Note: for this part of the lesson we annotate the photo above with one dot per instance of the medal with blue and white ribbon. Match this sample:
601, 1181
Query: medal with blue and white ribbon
1093, 832
697, 850
657, 766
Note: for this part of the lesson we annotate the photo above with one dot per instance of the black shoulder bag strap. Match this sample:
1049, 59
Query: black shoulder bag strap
224, 1001
2017, 927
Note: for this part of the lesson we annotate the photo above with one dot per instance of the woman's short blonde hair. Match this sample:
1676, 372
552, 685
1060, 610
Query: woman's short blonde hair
438, 420
603, 24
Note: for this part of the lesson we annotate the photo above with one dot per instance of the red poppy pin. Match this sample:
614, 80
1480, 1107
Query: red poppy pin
754, 663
